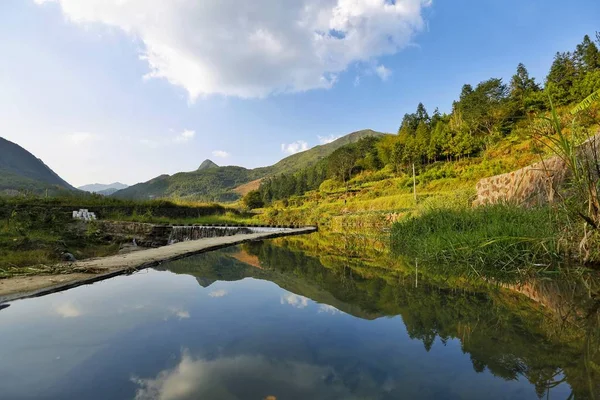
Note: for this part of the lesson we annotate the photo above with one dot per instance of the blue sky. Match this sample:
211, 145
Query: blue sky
107, 90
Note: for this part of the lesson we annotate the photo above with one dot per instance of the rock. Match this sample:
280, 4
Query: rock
68, 257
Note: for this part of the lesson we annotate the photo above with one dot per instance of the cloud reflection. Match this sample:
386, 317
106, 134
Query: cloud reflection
326, 308
241, 377
68, 310
294, 300
218, 293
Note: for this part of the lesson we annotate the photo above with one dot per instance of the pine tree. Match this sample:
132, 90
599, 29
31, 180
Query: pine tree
421, 145
587, 56
560, 79
421, 114
523, 94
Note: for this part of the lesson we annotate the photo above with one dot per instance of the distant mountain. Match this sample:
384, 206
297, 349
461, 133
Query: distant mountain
103, 188
207, 164
108, 192
213, 183
22, 171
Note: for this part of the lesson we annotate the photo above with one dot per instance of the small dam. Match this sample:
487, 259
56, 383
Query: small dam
184, 233
155, 235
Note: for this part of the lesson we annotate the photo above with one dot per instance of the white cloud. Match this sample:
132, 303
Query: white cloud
295, 147
185, 136
294, 300
356, 81
383, 72
218, 293
68, 310
255, 48
328, 139
220, 154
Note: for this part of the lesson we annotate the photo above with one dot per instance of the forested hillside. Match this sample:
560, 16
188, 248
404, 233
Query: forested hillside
492, 128
21, 171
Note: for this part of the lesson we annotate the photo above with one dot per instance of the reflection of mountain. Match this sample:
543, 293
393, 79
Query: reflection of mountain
205, 282
225, 265
504, 332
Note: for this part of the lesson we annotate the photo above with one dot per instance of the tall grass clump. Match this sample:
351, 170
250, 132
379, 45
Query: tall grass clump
580, 197
489, 239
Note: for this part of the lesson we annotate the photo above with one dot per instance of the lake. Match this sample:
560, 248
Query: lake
285, 319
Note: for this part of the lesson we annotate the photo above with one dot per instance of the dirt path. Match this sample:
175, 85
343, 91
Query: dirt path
39, 285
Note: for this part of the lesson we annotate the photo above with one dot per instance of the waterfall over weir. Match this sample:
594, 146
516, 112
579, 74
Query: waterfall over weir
195, 232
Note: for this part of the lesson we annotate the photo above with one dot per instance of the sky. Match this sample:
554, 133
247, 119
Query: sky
126, 90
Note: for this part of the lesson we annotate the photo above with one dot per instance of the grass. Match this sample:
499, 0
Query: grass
228, 218
496, 239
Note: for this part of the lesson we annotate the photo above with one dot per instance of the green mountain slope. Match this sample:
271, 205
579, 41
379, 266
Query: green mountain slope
22, 171
311, 157
213, 183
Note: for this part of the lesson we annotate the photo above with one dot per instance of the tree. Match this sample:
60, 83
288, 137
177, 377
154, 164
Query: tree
482, 109
411, 122
421, 115
341, 162
587, 56
439, 138
435, 118
422, 139
521, 84
523, 93
560, 79
253, 199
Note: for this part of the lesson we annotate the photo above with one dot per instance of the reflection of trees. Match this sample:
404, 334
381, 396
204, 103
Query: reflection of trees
504, 332
554, 338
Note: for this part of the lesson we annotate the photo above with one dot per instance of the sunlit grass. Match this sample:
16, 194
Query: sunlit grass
490, 239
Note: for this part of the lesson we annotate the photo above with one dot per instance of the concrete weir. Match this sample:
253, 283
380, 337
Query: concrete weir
184, 233
13, 288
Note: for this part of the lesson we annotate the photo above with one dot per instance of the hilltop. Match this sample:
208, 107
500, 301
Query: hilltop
207, 164
211, 182
22, 171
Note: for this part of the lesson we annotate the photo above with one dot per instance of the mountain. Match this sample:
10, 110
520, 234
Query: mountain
213, 183
312, 156
207, 164
109, 191
103, 188
22, 171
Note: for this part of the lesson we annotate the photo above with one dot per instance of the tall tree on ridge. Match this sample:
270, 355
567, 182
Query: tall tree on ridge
523, 91
560, 79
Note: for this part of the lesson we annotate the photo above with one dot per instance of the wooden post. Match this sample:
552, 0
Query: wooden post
414, 183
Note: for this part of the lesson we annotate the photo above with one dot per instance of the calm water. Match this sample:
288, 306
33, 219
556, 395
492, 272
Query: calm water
270, 320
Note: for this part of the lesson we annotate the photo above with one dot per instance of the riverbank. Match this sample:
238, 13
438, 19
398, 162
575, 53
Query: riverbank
107, 267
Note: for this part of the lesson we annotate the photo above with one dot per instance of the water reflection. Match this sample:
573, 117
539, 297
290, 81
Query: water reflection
284, 319
546, 331
230, 378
